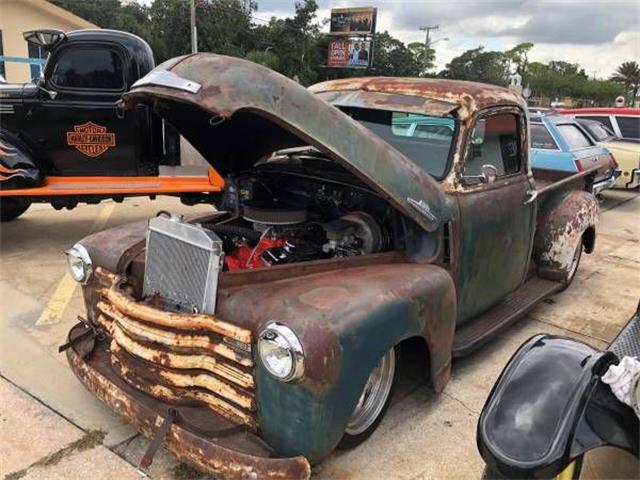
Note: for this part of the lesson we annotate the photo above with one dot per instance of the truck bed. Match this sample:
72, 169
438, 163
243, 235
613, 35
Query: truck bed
550, 180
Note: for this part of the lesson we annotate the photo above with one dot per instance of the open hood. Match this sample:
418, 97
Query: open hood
234, 112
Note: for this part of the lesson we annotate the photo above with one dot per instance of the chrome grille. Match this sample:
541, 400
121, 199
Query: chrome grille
182, 264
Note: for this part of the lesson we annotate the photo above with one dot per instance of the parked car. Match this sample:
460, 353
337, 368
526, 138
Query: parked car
277, 319
624, 121
421, 126
560, 143
69, 139
626, 153
550, 407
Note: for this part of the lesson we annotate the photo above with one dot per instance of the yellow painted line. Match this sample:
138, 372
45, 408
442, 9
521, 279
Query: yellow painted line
61, 297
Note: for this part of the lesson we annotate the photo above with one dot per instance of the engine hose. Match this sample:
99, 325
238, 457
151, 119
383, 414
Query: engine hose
232, 230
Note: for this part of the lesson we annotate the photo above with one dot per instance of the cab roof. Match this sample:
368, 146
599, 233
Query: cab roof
429, 95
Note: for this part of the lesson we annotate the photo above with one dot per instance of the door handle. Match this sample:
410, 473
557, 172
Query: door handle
532, 194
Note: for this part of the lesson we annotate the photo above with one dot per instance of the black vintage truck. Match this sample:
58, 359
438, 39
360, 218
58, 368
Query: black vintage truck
65, 138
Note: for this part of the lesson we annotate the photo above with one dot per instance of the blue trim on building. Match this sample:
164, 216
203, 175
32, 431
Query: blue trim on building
36, 61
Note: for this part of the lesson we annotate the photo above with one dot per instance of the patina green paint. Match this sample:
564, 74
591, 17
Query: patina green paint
496, 236
296, 420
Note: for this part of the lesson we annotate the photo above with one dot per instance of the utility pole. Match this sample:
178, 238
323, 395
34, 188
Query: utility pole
427, 41
194, 31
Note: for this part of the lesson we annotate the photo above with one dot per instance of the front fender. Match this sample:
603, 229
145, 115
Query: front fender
563, 221
550, 407
346, 320
18, 169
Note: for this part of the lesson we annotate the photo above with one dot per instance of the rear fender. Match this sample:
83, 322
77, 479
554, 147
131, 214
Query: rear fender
346, 320
18, 168
549, 407
565, 219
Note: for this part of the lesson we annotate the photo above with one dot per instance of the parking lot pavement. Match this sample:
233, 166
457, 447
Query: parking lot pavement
423, 435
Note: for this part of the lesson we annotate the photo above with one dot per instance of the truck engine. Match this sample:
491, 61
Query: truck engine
278, 219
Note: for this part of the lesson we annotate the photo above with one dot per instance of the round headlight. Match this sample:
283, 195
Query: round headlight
281, 352
80, 266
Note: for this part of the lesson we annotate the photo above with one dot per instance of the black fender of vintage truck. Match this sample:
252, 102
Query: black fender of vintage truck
566, 218
18, 167
549, 407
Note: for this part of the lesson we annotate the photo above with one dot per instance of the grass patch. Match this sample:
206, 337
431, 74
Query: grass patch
89, 440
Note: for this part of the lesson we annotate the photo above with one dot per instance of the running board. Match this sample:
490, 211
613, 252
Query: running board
175, 182
481, 329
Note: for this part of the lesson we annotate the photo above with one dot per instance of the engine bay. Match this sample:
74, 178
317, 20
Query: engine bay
311, 210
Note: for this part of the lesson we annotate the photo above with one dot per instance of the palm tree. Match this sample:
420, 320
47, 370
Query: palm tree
628, 73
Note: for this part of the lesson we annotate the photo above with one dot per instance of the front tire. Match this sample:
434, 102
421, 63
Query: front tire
11, 208
373, 402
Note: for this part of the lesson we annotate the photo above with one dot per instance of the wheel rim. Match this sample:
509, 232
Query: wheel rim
575, 261
374, 395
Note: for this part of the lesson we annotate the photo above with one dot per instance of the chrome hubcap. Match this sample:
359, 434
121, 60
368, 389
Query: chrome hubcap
374, 395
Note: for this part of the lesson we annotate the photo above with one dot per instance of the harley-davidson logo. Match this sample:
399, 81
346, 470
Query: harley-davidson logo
91, 139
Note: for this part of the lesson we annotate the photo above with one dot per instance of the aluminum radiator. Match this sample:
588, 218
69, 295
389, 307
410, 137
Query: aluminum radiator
182, 263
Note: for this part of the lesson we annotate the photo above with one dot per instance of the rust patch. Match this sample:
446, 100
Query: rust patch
249, 458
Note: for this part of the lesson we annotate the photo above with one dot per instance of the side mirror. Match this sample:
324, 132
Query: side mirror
40, 85
489, 172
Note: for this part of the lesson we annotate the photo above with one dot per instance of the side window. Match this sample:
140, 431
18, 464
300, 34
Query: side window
96, 68
37, 56
541, 138
494, 141
574, 137
604, 119
629, 126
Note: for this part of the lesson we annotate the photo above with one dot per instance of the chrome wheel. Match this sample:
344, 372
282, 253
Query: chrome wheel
574, 263
374, 395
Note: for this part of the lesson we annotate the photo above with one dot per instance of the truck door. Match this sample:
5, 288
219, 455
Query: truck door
81, 130
496, 226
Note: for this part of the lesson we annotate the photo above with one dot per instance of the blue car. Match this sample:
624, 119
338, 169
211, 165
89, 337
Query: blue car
560, 143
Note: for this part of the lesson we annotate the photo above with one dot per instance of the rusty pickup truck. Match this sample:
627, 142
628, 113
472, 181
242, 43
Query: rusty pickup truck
356, 216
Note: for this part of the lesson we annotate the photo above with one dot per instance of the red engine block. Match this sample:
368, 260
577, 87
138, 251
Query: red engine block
242, 259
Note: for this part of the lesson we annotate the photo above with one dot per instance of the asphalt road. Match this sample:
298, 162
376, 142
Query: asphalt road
45, 410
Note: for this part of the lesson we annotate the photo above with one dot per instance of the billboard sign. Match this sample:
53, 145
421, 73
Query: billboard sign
353, 21
349, 53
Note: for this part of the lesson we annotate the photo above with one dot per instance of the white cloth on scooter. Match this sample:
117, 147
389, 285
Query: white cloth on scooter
624, 380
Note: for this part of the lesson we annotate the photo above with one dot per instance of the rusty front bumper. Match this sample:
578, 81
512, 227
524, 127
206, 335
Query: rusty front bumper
197, 435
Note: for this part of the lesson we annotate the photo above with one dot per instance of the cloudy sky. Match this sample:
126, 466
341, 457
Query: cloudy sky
599, 35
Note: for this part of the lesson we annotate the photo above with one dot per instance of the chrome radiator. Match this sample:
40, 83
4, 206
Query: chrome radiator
182, 263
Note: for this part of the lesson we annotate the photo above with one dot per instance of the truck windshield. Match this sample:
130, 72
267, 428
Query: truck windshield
423, 139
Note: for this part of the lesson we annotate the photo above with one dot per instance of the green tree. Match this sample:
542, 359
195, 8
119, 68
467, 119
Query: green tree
392, 58
264, 57
519, 56
479, 66
566, 68
628, 74
423, 57
562, 79
224, 26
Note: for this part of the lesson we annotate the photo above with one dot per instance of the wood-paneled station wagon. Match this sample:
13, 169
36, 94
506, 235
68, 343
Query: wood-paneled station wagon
256, 340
